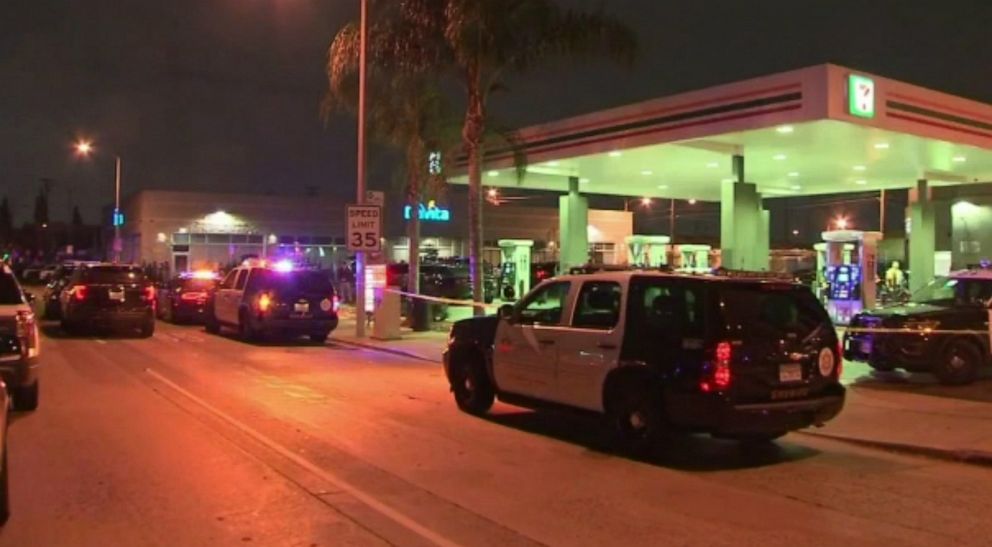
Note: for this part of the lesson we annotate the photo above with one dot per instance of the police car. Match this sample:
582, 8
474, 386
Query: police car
943, 329
736, 356
262, 298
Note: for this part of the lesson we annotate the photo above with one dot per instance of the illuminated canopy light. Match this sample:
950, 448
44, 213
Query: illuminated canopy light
663, 187
493, 173
861, 182
615, 154
784, 129
881, 146
796, 187
552, 164
713, 165
794, 174
779, 157
859, 167
647, 173
959, 159
583, 181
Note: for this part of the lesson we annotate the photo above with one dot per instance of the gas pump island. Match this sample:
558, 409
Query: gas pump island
850, 286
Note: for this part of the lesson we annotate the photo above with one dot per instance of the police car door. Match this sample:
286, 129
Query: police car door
526, 351
225, 296
589, 349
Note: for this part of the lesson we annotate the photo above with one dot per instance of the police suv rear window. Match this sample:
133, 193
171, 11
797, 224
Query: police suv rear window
302, 281
9, 292
771, 308
112, 274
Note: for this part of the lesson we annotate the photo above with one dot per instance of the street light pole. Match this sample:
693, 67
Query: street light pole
360, 185
118, 244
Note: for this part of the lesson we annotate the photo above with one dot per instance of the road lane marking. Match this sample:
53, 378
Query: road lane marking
368, 499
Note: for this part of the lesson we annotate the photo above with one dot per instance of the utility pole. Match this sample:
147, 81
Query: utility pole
360, 185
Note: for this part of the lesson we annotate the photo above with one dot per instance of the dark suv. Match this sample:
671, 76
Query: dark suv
731, 355
109, 296
259, 299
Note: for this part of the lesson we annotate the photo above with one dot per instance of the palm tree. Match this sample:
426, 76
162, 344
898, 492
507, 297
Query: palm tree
483, 42
406, 111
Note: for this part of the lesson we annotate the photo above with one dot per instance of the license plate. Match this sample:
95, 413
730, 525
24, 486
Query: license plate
301, 307
792, 372
780, 394
117, 296
866, 347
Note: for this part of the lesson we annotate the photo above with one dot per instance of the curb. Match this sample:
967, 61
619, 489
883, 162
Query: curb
967, 456
374, 347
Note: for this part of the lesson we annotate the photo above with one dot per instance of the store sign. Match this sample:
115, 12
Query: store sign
118, 218
434, 163
429, 213
861, 96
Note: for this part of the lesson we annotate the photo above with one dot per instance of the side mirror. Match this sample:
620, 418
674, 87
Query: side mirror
506, 312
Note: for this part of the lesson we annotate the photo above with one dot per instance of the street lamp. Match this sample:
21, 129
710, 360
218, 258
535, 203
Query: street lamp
84, 148
360, 183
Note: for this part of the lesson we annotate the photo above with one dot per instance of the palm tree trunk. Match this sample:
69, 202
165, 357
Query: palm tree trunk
413, 235
472, 135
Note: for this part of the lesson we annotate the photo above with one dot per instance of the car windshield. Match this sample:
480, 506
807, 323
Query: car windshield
10, 293
960, 292
113, 274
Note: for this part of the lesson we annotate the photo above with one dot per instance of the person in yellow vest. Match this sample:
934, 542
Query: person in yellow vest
894, 276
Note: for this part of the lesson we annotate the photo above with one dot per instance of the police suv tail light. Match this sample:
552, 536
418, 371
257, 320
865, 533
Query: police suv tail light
150, 293
335, 303
718, 377
264, 302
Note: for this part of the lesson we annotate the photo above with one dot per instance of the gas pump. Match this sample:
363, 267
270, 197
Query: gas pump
515, 269
694, 258
647, 251
850, 287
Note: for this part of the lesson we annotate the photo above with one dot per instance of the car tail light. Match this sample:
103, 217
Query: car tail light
79, 292
150, 293
335, 304
27, 331
719, 376
192, 296
264, 302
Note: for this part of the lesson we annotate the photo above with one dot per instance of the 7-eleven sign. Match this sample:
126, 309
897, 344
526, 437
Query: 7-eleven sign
860, 96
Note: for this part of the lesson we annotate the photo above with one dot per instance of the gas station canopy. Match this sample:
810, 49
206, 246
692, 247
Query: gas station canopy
817, 130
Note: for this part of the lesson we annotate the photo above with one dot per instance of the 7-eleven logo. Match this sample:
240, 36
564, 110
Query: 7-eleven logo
861, 96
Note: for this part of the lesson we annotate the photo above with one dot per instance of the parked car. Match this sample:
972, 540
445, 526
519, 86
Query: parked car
109, 296
20, 343
741, 357
4, 473
183, 299
259, 299
943, 329
51, 296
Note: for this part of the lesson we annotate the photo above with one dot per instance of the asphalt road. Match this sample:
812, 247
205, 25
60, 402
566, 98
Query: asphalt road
192, 439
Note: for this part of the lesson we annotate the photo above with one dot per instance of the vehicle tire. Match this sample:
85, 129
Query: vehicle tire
148, 328
958, 364
472, 387
637, 419
210, 323
319, 337
246, 331
69, 327
26, 397
4, 488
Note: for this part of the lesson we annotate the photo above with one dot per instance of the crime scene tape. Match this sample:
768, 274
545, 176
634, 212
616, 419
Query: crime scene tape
916, 331
440, 300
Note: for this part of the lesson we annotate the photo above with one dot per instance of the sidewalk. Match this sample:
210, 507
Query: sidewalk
946, 428
424, 346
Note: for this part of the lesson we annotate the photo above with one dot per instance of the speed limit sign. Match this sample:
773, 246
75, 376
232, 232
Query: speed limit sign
364, 228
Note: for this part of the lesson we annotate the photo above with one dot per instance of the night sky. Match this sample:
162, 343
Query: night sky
223, 94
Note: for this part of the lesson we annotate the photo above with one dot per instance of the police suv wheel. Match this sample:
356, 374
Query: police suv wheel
26, 397
959, 363
210, 323
637, 419
470, 384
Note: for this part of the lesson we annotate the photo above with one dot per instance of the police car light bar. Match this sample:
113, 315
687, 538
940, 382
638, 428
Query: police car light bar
750, 274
